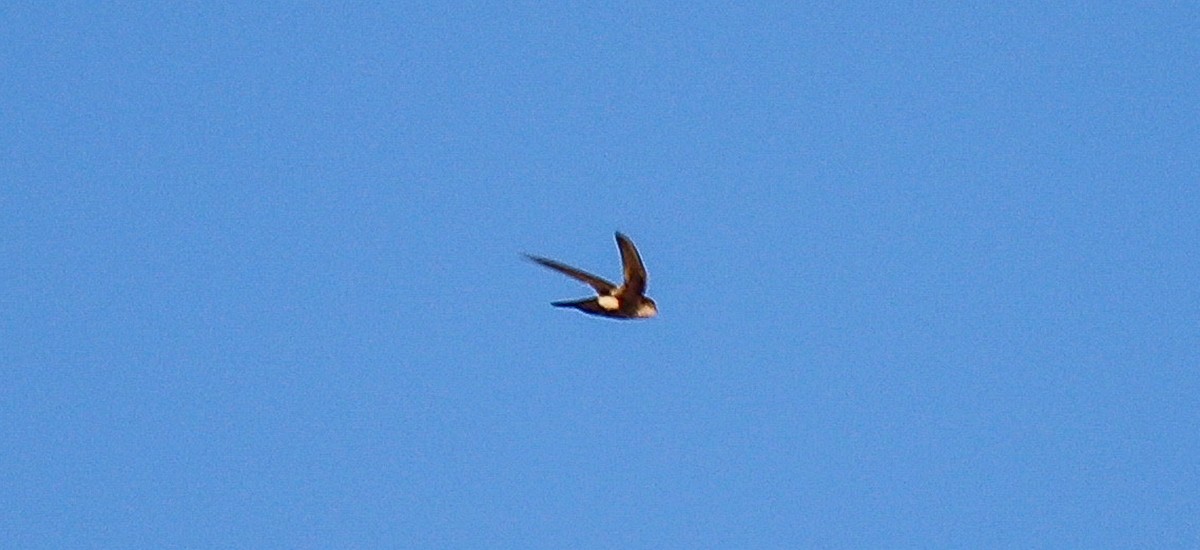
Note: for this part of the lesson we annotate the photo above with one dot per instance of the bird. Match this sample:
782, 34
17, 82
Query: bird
627, 301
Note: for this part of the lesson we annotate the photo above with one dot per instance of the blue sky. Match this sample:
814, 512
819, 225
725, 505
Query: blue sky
927, 275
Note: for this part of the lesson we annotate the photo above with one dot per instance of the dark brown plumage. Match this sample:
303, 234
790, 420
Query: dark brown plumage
627, 301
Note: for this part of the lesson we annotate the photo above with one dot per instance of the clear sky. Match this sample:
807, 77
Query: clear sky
928, 275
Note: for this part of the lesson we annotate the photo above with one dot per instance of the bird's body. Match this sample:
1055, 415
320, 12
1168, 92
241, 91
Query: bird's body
627, 301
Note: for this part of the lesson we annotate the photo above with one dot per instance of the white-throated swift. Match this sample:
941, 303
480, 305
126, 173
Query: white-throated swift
627, 301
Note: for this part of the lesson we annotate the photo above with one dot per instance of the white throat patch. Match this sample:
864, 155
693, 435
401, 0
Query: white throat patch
647, 310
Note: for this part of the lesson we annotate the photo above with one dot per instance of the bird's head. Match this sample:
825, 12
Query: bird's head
647, 308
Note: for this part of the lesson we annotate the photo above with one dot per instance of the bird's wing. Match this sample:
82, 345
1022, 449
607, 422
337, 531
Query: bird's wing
602, 286
635, 272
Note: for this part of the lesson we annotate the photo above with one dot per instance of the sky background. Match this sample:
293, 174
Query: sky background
928, 275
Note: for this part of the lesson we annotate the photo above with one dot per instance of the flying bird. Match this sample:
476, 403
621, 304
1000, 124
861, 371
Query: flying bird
627, 301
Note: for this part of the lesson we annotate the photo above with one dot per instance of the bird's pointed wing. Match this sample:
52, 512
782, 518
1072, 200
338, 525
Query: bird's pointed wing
635, 272
602, 286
